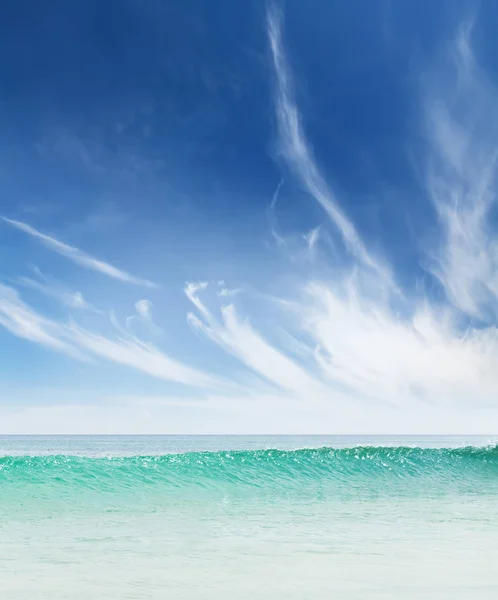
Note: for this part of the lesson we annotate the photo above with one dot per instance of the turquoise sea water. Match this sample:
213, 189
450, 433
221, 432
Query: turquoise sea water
248, 517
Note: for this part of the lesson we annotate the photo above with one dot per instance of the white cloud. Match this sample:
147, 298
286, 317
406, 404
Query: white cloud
78, 256
354, 348
226, 293
53, 289
312, 238
18, 319
138, 355
368, 343
462, 176
374, 353
144, 309
143, 317
297, 152
25, 322
239, 338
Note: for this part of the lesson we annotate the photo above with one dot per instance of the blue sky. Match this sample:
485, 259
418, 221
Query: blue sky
223, 217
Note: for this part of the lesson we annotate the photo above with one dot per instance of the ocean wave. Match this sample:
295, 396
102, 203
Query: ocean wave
278, 470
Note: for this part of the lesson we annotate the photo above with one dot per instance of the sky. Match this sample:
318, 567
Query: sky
256, 217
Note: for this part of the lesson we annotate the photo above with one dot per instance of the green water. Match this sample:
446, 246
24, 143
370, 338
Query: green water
236, 518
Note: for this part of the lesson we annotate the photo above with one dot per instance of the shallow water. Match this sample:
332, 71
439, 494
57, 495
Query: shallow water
248, 517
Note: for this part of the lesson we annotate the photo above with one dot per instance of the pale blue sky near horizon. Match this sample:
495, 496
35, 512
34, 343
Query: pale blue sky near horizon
269, 217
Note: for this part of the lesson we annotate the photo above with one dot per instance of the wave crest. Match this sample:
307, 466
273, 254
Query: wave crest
278, 471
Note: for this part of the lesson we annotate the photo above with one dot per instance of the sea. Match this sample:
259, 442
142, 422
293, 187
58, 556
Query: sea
256, 517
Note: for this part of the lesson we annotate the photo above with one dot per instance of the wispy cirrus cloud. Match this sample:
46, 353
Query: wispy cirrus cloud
354, 349
417, 353
420, 357
462, 177
143, 317
240, 339
21, 321
24, 321
53, 289
78, 256
366, 344
297, 151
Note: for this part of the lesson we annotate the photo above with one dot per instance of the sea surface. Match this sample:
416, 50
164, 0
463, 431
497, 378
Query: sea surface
298, 517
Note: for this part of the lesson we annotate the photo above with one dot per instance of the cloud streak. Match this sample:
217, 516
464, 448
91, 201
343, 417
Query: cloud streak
296, 150
25, 322
354, 350
240, 339
53, 289
78, 256
363, 341
143, 317
462, 178
374, 353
